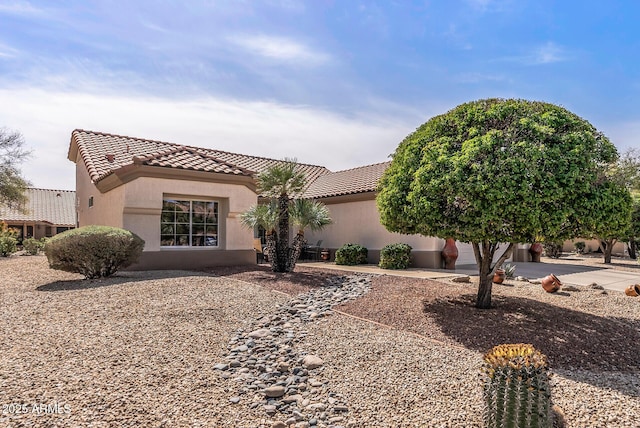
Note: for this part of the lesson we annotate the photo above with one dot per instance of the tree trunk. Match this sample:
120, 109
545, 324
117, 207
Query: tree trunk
296, 249
282, 247
484, 258
606, 245
632, 245
270, 250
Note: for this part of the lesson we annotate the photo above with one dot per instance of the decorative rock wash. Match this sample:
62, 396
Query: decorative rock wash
273, 372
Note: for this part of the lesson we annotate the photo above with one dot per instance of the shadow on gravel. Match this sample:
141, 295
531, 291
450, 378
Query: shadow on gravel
117, 279
570, 339
299, 281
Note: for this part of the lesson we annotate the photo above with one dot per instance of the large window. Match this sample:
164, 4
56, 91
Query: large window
189, 223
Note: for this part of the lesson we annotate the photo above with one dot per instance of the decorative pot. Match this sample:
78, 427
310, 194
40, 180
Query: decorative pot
632, 290
450, 253
324, 255
498, 276
535, 250
551, 283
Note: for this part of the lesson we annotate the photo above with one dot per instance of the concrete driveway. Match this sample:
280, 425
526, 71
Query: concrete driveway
568, 274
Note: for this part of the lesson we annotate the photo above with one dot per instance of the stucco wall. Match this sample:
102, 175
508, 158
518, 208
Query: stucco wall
143, 205
107, 207
359, 222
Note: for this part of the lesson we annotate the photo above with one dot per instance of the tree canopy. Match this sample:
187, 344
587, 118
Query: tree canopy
494, 171
12, 184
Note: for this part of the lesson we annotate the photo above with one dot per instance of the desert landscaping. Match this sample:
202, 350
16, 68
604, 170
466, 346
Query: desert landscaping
174, 348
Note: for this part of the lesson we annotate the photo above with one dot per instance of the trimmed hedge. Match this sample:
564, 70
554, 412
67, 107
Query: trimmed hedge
93, 251
395, 256
351, 254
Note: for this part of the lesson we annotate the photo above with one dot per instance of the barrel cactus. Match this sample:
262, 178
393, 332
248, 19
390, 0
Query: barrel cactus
516, 387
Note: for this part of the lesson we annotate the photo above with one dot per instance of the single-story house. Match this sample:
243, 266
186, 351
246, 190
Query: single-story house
185, 202
46, 213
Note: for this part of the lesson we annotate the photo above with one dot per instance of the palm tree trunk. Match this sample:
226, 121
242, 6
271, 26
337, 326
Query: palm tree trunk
296, 249
282, 247
270, 250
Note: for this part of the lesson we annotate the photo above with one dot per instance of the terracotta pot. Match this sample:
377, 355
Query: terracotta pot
324, 255
535, 250
498, 276
449, 253
551, 283
632, 290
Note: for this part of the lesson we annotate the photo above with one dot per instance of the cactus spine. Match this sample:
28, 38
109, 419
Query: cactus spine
516, 388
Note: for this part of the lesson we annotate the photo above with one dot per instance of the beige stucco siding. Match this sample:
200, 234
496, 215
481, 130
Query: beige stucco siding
143, 205
359, 222
107, 207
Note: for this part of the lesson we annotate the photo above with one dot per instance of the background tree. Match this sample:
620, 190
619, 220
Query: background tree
12, 185
633, 235
626, 172
280, 182
493, 171
607, 215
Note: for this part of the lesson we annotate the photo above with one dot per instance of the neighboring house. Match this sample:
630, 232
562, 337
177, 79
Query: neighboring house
185, 202
46, 213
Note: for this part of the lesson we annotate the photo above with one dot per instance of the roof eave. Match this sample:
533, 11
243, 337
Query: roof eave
131, 172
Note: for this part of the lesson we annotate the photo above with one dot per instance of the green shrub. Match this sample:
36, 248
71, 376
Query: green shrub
8, 245
8, 240
580, 247
93, 251
552, 249
33, 246
351, 254
395, 256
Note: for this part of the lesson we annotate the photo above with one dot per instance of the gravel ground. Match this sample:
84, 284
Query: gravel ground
138, 349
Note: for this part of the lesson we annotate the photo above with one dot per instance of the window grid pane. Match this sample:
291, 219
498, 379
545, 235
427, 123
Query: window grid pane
189, 223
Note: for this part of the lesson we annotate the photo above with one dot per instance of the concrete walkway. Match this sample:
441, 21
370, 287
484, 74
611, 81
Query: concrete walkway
568, 274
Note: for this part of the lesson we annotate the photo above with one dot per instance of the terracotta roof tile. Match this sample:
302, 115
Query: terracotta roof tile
104, 154
350, 181
57, 207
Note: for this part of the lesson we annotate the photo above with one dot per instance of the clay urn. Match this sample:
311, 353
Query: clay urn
632, 290
325, 254
551, 283
535, 250
498, 276
450, 253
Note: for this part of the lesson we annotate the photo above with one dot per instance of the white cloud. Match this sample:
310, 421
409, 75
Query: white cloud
548, 53
46, 119
7, 51
18, 8
279, 48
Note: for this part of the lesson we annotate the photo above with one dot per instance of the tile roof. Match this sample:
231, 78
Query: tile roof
104, 154
350, 181
57, 207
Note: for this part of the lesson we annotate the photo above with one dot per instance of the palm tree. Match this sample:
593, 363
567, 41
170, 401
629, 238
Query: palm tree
279, 182
306, 213
265, 216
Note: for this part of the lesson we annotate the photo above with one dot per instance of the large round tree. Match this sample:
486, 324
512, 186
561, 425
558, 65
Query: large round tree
493, 171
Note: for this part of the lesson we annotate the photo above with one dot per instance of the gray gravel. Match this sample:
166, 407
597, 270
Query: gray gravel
156, 349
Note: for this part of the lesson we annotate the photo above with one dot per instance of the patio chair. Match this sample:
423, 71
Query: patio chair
257, 246
313, 252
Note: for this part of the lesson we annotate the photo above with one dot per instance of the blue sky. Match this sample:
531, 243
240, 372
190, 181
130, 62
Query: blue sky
337, 83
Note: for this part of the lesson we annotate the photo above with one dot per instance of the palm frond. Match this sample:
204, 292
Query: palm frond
308, 213
263, 215
281, 179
